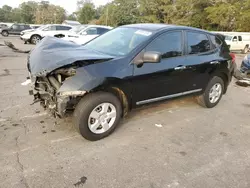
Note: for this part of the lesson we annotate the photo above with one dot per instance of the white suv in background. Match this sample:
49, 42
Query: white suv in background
87, 33
34, 36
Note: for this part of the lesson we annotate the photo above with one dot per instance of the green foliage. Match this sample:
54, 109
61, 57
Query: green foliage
86, 13
227, 15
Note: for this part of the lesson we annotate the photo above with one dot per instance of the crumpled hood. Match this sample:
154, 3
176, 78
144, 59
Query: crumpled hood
52, 53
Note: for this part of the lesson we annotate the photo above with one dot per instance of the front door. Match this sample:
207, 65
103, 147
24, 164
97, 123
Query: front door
167, 79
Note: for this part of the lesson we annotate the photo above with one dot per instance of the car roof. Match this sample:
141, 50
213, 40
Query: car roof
101, 26
158, 27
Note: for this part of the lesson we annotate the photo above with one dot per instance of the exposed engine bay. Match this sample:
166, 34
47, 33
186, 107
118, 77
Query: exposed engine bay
46, 89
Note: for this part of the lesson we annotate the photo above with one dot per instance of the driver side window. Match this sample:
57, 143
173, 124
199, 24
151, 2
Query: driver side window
15, 27
235, 39
168, 44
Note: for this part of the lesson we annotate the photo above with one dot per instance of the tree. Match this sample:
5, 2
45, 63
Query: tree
86, 13
27, 11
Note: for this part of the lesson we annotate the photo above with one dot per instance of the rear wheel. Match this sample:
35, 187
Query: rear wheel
97, 115
213, 93
35, 39
5, 33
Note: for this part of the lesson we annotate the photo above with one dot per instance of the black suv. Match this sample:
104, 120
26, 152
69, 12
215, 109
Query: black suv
15, 29
125, 68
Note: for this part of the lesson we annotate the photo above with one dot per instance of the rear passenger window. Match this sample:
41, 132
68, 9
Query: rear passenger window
216, 43
240, 38
197, 43
168, 44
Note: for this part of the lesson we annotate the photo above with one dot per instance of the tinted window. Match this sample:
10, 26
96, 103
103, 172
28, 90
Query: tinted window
27, 27
215, 41
240, 38
91, 31
100, 31
168, 44
62, 28
15, 27
22, 27
197, 43
50, 28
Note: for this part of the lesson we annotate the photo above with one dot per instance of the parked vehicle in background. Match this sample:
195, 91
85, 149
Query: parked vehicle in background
35, 36
35, 26
125, 68
15, 29
238, 42
3, 25
87, 33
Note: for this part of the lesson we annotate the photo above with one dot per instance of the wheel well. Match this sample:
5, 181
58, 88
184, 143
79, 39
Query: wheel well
35, 35
224, 77
121, 96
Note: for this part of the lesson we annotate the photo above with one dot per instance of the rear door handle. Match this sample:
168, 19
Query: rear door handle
214, 62
180, 68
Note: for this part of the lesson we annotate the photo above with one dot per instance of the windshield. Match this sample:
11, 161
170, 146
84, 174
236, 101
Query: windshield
228, 37
78, 28
120, 41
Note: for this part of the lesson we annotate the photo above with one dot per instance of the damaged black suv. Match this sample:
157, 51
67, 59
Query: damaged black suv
127, 67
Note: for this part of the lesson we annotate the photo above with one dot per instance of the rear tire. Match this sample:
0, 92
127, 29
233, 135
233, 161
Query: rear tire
213, 93
92, 106
5, 33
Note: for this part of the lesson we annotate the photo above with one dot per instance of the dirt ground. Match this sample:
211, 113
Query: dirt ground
195, 147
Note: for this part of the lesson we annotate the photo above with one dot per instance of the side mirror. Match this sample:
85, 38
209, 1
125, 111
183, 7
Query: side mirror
84, 33
235, 40
151, 57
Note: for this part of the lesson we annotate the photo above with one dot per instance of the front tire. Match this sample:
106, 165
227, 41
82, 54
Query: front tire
5, 33
35, 39
213, 93
97, 115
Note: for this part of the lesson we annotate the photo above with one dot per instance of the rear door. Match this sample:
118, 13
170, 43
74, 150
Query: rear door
15, 29
201, 59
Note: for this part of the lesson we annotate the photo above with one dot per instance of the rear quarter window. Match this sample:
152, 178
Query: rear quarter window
216, 42
197, 42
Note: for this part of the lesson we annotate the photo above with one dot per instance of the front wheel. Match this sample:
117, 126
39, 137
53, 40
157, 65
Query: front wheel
35, 39
97, 115
213, 93
5, 33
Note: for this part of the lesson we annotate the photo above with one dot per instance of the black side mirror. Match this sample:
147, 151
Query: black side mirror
151, 57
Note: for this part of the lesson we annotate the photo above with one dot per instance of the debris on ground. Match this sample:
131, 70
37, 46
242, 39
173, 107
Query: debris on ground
158, 125
243, 79
10, 45
27, 82
81, 182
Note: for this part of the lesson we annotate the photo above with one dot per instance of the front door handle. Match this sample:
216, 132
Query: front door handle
214, 62
180, 68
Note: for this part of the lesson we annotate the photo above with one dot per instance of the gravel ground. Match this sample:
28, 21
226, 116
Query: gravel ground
195, 147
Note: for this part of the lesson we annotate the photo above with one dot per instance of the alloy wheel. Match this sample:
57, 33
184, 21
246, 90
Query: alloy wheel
215, 93
102, 118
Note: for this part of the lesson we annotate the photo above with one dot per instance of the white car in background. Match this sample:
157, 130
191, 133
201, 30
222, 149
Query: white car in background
87, 33
34, 36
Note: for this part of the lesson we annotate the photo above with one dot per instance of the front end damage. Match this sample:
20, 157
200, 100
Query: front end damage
46, 91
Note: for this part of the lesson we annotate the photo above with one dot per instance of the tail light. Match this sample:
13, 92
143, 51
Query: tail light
233, 57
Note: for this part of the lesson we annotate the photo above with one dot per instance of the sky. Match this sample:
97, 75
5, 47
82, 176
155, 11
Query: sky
69, 5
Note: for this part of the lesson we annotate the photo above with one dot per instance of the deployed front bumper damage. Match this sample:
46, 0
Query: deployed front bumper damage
47, 91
